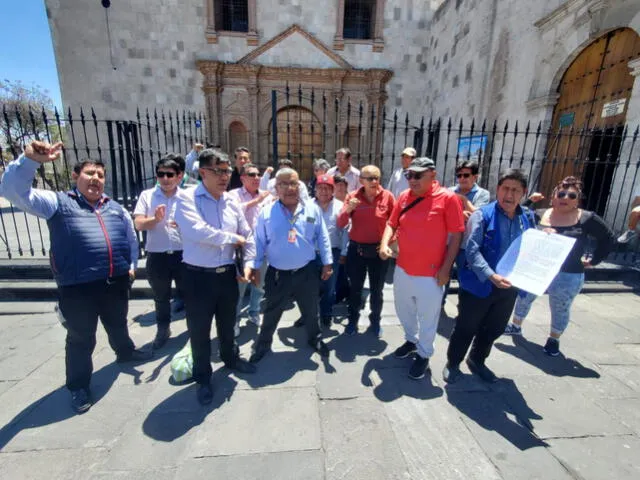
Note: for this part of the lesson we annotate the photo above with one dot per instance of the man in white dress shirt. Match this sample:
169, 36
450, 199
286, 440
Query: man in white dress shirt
212, 226
154, 213
344, 168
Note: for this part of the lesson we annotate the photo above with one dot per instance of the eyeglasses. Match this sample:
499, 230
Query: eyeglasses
370, 179
408, 174
463, 175
564, 193
165, 174
287, 185
252, 174
219, 171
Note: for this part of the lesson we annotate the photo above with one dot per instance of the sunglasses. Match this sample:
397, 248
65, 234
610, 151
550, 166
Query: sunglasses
564, 193
252, 174
463, 175
165, 174
219, 171
415, 175
370, 179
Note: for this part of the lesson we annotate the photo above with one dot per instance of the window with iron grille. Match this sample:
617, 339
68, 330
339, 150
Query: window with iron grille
232, 15
359, 16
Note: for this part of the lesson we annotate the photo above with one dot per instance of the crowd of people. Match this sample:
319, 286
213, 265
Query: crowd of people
222, 231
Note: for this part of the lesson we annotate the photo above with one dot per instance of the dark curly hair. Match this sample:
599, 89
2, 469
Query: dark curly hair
569, 182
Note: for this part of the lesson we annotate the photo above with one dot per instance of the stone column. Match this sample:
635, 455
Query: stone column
254, 127
212, 89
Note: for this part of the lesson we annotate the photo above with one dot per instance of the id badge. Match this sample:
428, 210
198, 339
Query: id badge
292, 236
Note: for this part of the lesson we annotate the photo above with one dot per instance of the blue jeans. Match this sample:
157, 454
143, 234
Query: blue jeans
563, 289
255, 297
328, 287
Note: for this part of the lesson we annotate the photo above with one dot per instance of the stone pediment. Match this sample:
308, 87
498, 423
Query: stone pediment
295, 47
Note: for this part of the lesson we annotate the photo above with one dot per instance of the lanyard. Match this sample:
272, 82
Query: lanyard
292, 219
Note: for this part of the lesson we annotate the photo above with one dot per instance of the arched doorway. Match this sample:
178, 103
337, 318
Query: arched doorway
299, 138
588, 120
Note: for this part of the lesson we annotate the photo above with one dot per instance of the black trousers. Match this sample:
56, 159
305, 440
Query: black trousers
481, 321
81, 306
280, 287
357, 269
209, 293
162, 269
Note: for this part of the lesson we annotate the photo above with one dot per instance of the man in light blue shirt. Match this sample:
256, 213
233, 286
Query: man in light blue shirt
288, 233
213, 227
94, 252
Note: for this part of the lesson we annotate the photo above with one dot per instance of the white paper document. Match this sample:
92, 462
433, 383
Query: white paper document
534, 259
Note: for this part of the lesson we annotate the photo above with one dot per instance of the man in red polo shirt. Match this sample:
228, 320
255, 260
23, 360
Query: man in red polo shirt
369, 209
424, 217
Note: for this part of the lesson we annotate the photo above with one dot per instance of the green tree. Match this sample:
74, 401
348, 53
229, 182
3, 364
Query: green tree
28, 114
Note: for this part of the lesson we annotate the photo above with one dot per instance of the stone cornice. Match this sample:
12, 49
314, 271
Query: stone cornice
218, 73
542, 102
569, 8
287, 33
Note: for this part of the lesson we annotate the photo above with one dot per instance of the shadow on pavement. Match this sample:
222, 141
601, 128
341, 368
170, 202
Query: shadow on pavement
559, 366
347, 348
279, 367
492, 411
394, 382
179, 413
55, 406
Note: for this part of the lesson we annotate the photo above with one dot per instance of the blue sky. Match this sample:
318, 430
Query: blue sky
28, 51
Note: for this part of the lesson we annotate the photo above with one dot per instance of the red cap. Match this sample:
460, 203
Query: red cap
324, 179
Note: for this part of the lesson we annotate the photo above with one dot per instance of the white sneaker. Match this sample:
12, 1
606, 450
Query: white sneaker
627, 236
254, 318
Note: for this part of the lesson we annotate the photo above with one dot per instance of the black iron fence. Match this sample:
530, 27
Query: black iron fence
308, 124
130, 148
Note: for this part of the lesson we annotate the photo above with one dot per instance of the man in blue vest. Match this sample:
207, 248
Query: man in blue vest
486, 299
93, 256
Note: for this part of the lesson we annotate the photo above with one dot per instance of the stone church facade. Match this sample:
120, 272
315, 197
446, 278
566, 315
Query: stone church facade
464, 59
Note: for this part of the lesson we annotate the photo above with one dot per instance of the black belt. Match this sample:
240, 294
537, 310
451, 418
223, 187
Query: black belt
168, 252
218, 270
291, 272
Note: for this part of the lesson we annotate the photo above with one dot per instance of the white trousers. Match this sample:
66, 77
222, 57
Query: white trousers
418, 301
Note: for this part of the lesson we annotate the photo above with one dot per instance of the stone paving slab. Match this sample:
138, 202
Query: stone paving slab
359, 442
299, 465
595, 458
273, 420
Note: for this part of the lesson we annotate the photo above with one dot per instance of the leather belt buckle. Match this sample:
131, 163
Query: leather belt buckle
221, 269
169, 252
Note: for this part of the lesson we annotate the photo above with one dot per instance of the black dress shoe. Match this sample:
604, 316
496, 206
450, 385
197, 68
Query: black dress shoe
242, 366
481, 370
204, 394
451, 373
259, 352
162, 336
135, 356
320, 347
81, 400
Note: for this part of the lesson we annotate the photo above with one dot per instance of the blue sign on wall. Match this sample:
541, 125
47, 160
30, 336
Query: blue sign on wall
472, 146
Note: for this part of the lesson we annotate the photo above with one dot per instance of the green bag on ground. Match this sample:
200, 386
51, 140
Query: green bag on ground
182, 365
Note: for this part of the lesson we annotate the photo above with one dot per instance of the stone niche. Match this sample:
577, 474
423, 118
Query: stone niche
239, 101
